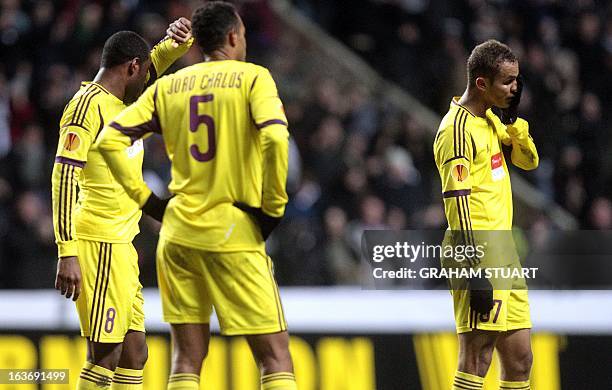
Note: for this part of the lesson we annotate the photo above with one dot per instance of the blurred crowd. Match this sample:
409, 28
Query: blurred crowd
565, 53
356, 161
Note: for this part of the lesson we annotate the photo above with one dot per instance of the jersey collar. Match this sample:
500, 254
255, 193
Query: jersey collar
455, 102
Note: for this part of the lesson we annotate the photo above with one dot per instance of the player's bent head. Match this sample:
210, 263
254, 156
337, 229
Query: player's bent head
217, 26
486, 60
128, 53
122, 47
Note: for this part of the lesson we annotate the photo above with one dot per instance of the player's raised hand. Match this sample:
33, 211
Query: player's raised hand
68, 279
509, 115
179, 31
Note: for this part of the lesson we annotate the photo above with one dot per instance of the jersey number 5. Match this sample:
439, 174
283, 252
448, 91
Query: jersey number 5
195, 120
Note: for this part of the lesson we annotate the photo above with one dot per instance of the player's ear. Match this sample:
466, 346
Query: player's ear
481, 83
133, 67
233, 37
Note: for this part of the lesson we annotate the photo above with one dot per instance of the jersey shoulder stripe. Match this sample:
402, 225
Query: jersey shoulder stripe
76, 103
79, 106
86, 107
459, 132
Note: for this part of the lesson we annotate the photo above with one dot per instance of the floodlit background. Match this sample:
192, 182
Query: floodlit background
364, 84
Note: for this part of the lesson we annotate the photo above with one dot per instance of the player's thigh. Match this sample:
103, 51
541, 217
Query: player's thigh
244, 293
515, 355
514, 343
476, 351
110, 286
476, 341
105, 355
182, 285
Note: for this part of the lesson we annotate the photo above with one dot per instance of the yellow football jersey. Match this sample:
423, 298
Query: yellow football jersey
473, 171
103, 211
226, 135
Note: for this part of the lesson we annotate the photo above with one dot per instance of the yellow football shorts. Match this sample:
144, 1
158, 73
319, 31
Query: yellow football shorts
240, 286
510, 310
111, 299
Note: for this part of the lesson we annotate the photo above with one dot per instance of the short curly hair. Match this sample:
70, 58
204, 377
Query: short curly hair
122, 47
485, 59
211, 23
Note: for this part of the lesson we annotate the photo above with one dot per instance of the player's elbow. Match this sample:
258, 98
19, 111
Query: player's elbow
532, 163
276, 136
528, 160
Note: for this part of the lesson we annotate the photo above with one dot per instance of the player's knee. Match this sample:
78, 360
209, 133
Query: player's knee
275, 359
189, 359
484, 358
521, 363
135, 356
476, 358
142, 356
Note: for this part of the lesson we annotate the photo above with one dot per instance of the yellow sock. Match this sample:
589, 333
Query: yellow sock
94, 377
278, 381
184, 382
465, 381
127, 379
510, 385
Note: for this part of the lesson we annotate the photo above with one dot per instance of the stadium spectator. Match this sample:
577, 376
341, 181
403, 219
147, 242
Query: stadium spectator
351, 142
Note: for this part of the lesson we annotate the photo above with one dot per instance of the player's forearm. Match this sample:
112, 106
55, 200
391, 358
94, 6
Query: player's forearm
64, 196
163, 55
133, 184
112, 145
457, 210
524, 153
275, 150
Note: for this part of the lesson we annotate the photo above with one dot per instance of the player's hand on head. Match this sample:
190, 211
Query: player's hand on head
179, 31
68, 279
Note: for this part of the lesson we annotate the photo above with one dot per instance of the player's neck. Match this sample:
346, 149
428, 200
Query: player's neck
220, 55
474, 103
111, 81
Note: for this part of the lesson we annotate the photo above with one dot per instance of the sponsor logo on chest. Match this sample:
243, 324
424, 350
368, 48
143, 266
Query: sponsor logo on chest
497, 167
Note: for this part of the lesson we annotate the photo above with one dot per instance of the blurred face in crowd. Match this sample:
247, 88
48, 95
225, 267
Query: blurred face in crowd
499, 91
137, 76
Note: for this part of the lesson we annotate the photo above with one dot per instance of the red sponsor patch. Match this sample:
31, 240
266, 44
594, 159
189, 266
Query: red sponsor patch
496, 161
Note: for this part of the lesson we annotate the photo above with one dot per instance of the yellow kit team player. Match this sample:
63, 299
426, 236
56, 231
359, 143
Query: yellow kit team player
98, 266
226, 135
477, 197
